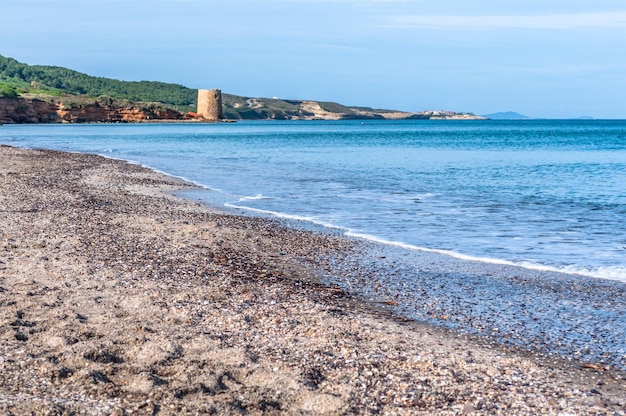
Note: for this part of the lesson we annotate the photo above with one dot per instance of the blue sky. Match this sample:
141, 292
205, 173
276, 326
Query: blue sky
554, 59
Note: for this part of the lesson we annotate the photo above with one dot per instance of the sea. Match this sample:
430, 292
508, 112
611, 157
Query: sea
546, 198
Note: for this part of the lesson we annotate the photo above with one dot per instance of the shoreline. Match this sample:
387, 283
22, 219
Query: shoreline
118, 297
570, 316
557, 313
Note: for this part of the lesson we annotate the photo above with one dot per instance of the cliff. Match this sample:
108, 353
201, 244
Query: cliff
45, 109
20, 110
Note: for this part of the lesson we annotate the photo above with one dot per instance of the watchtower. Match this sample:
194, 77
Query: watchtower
210, 104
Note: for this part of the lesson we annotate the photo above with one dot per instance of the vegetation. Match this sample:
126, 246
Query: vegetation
246, 108
8, 90
54, 80
376, 110
335, 108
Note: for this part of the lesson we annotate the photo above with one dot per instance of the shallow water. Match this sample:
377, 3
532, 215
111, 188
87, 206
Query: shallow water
568, 315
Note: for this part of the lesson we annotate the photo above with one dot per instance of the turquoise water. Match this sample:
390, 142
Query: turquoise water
547, 195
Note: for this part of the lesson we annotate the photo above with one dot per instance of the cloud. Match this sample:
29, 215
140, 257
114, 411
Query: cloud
549, 21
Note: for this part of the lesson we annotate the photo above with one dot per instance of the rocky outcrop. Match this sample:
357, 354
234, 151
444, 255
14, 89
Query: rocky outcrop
276, 109
73, 110
113, 112
21, 110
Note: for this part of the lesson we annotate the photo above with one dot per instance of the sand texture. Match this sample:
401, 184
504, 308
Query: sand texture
118, 298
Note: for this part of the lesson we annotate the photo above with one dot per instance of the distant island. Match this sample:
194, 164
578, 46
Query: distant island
52, 94
506, 115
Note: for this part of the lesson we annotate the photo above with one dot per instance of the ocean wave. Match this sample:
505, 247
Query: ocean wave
609, 272
276, 214
254, 198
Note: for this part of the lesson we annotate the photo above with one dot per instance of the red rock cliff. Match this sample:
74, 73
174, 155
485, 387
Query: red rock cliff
32, 110
22, 110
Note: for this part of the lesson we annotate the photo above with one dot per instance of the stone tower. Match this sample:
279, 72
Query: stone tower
210, 104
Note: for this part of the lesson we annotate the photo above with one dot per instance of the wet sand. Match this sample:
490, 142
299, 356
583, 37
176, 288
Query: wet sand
118, 298
573, 316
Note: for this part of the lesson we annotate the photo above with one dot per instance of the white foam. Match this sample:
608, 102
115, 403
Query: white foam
609, 273
286, 216
254, 198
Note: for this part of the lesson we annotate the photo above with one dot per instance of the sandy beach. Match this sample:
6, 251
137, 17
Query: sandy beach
118, 298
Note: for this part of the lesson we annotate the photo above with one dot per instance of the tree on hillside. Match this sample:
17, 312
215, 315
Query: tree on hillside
8, 91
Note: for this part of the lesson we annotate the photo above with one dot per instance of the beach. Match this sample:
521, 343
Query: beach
117, 297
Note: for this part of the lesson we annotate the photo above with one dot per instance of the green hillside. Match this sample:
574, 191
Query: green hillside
16, 77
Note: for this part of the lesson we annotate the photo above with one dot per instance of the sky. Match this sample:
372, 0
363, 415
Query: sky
541, 58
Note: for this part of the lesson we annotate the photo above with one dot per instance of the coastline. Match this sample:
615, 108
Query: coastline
117, 297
